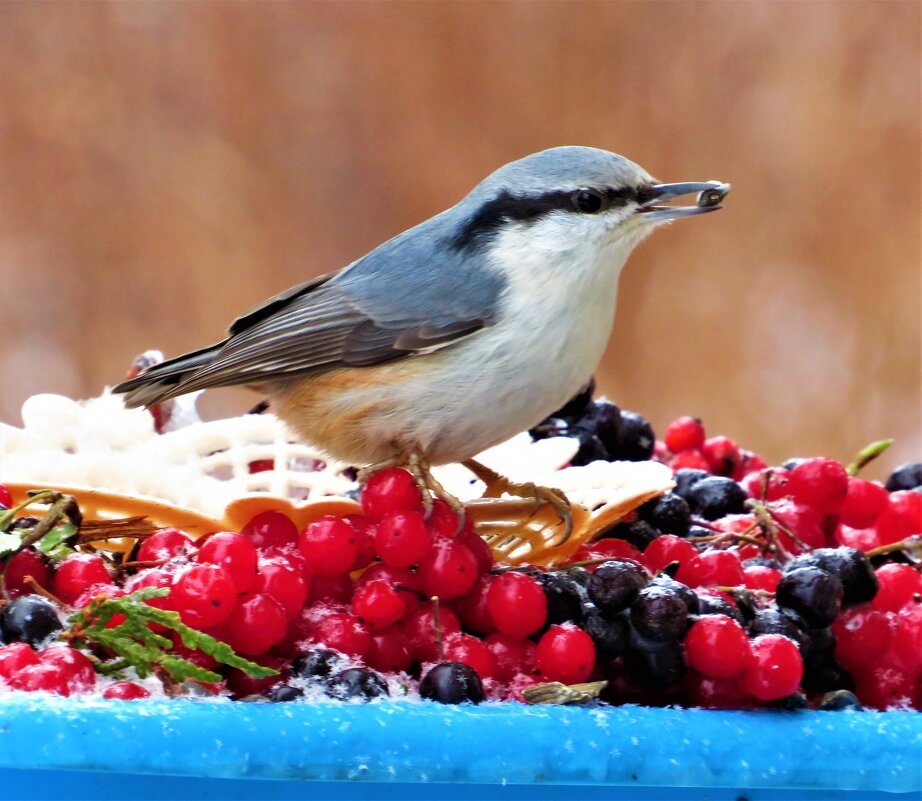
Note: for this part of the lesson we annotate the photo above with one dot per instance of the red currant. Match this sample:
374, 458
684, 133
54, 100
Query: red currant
862, 635
712, 567
204, 595
402, 538
365, 530
164, 544
404, 580
685, 434
125, 691
328, 546
378, 603
26, 563
449, 570
472, 608
566, 654
6, 498
691, 460
774, 667
902, 518
330, 589
517, 604
897, 586
390, 490
344, 633
664, 551
717, 646
257, 623
15, 657
390, 650
514, 655
235, 553
722, 455
473, 652
41, 678
76, 573
760, 577
863, 504
282, 582
423, 634
772, 481
884, 686
75, 666
609, 548
270, 529
819, 483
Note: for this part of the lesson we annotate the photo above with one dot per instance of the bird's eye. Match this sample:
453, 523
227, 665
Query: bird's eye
589, 201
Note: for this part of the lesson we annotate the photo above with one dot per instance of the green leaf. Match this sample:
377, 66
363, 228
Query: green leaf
51, 543
9, 543
182, 669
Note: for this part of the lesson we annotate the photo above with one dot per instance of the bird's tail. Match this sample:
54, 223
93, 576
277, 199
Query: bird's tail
165, 380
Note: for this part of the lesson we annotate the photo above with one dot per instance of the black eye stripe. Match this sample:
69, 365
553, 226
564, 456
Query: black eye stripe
529, 208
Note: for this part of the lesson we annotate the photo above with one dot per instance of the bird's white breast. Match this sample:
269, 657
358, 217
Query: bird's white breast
553, 324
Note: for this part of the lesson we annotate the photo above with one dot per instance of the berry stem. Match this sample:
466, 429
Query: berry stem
437, 620
909, 544
867, 455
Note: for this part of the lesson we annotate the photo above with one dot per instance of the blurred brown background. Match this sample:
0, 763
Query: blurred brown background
163, 166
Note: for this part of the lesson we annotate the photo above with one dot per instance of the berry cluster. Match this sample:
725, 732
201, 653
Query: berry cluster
745, 586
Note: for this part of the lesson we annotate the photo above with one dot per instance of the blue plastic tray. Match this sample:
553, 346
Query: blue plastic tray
53, 747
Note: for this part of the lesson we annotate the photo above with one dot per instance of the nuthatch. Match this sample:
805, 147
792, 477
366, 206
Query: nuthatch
455, 334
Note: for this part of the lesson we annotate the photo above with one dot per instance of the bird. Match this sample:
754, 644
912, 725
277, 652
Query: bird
456, 334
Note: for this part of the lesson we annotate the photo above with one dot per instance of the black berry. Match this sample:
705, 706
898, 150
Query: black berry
839, 699
906, 477
358, 683
815, 594
657, 669
316, 663
669, 513
30, 619
452, 683
615, 584
685, 479
282, 693
637, 438
659, 613
715, 497
610, 635
851, 566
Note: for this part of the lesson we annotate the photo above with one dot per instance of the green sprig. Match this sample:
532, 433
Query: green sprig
133, 643
867, 455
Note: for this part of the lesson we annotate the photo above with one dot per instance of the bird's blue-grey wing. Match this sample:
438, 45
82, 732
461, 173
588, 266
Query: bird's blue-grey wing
412, 294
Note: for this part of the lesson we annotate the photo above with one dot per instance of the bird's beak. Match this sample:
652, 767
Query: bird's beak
710, 194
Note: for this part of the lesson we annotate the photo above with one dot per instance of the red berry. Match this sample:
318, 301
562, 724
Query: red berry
472, 608
863, 504
282, 582
517, 604
609, 548
712, 567
514, 655
404, 580
242, 685
41, 678
897, 585
473, 652
449, 570
390, 490
125, 691
402, 538
760, 577
344, 633
819, 483
390, 649
803, 521
774, 479
861, 539
204, 596
158, 579
477, 546
194, 655
693, 460
906, 642
15, 657
717, 646
862, 635
685, 434
6, 499
365, 530
330, 589
566, 654
257, 623
164, 544
378, 603
107, 591
750, 463
774, 667
902, 518
76, 573
711, 693
422, 634
883, 686
328, 546
75, 666
443, 522
270, 529
722, 455
235, 553
665, 550
26, 563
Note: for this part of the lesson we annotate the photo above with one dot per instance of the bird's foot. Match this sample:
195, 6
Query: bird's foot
536, 495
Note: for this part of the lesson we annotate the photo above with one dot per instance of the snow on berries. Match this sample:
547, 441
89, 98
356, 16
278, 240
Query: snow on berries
746, 586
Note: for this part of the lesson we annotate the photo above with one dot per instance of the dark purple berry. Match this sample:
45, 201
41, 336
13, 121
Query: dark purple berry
813, 593
906, 477
715, 497
359, 683
30, 619
685, 479
669, 513
614, 585
452, 683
